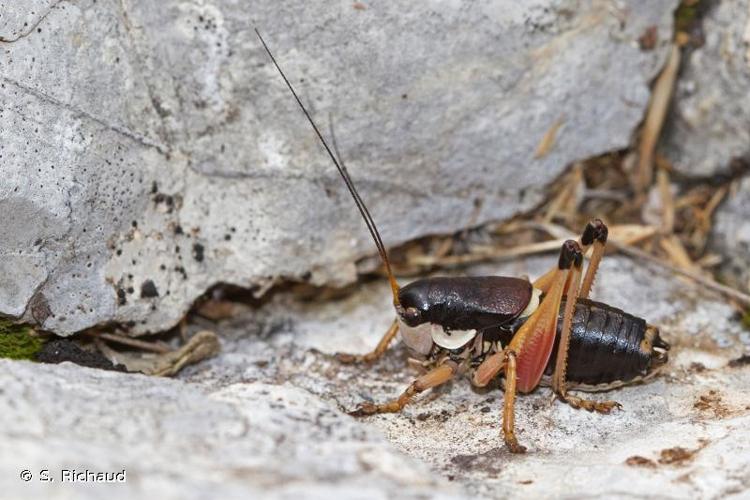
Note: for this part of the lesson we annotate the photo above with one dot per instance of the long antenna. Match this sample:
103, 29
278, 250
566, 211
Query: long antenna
345, 175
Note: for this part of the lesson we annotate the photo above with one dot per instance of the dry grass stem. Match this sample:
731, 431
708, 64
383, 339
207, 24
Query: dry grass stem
558, 231
131, 342
676, 252
481, 254
698, 278
548, 141
657, 111
667, 201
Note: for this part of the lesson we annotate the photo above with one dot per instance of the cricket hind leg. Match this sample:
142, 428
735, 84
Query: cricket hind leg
435, 377
532, 343
596, 236
603, 407
373, 355
527, 354
595, 233
573, 292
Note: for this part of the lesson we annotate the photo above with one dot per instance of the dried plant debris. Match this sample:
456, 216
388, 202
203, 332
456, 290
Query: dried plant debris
639, 461
678, 455
204, 344
220, 309
711, 402
660, 98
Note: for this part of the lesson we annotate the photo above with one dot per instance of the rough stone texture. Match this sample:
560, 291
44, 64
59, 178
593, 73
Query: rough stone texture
146, 141
177, 440
731, 235
264, 418
708, 132
710, 119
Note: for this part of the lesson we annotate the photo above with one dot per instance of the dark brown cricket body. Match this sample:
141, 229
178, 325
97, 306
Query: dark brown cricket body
607, 346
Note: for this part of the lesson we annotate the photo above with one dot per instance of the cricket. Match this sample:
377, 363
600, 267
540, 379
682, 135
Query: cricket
541, 333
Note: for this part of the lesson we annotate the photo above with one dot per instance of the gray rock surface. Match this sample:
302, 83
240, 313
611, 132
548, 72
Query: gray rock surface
149, 150
709, 124
265, 418
731, 235
182, 441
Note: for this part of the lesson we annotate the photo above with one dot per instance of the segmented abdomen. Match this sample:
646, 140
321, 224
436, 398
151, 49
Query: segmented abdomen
605, 345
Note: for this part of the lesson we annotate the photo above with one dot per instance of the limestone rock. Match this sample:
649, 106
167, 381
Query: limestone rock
180, 440
709, 125
731, 236
150, 151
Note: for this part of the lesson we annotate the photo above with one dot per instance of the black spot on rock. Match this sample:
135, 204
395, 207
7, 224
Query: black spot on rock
198, 251
122, 299
148, 290
166, 200
741, 361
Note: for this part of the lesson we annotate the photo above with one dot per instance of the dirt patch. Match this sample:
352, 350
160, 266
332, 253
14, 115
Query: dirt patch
488, 462
676, 456
711, 402
639, 461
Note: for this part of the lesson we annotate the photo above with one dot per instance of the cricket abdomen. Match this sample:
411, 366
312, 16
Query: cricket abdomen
608, 345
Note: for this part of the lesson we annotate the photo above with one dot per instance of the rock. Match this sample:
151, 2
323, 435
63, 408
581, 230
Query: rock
731, 236
265, 417
179, 440
709, 126
150, 153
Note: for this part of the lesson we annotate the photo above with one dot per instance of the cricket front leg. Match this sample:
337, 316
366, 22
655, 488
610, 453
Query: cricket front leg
376, 353
435, 377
